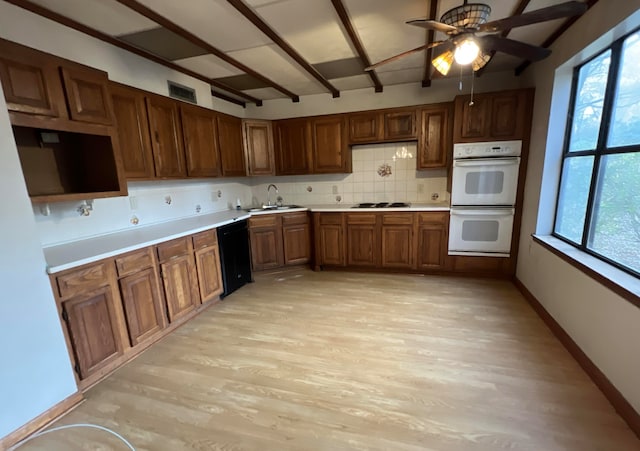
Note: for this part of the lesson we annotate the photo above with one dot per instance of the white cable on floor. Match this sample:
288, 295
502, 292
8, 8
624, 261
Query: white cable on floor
69, 426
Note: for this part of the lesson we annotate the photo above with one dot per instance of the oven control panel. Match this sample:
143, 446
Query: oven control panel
487, 149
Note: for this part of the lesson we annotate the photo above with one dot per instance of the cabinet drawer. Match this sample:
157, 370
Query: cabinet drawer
360, 218
205, 239
173, 248
82, 280
134, 262
397, 218
440, 217
330, 218
268, 220
299, 217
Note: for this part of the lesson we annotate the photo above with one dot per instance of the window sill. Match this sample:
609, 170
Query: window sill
621, 283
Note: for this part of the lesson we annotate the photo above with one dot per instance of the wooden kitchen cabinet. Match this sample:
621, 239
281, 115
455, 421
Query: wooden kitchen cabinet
179, 277
498, 116
296, 238
330, 149
207, 255
258, 147
265, 236
293, 146
329, 231
31, 81
390, 125
432, 243
230, 145
166, 137
397, 241
400, 125
132, 126
435, 136
366, 127
199, 130
88, 95
362, 242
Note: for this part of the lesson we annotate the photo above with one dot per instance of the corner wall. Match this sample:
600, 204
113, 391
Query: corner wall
604, 325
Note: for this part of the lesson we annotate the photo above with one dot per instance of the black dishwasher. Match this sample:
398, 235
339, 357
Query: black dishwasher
235, 259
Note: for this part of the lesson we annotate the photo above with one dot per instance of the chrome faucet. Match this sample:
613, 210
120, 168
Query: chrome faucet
269, 194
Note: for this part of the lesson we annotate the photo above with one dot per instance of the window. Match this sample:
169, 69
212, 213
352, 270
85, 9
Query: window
598, 207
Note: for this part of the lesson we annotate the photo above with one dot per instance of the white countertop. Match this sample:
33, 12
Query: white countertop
89, 250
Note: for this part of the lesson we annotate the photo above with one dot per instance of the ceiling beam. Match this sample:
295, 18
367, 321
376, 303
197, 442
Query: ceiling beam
357, 43
554, 36
426, 80
175, 28
229, 99
63, 20
275, 37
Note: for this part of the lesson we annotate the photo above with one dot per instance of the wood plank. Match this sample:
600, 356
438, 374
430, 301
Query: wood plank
303, 360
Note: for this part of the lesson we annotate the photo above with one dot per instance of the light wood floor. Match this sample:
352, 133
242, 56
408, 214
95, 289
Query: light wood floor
335, 361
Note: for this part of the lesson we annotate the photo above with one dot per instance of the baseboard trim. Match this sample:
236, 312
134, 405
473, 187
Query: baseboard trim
41, 420
619, 403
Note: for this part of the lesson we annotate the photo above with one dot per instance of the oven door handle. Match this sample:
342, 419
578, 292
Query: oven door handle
482, 212
487, 161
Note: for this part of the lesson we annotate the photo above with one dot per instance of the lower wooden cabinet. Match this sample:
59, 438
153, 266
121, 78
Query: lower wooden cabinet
93, 329
362, 240
433, 237
329, 231
207, 255
397, 241
279, 239
142, 305
180, 286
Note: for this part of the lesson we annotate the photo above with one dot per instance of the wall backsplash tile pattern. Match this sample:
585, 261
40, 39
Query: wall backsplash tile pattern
148, 205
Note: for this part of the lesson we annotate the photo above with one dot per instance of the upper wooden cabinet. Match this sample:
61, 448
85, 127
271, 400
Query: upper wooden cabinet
199, 129
330, 149
434, 137
132, 125
293, 146
499, 116
258, 147
230, 145
397, 124
166, 137
31, 81
87, 95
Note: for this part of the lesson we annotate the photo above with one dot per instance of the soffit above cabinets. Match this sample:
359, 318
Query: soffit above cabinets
218, 39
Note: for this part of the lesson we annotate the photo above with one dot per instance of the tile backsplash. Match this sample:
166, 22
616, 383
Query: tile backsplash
381, 173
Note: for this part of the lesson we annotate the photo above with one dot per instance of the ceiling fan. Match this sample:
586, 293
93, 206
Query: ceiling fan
465, 47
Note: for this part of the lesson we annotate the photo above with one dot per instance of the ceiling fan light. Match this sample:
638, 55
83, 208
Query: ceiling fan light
443, 62
469, 15
466, 52
480, 61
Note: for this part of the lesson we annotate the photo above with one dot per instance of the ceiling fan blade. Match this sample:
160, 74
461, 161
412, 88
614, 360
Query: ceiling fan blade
433, 25
515, 48
567, 9
403, 54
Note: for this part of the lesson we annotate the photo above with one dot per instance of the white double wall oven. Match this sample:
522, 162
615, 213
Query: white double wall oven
483, 196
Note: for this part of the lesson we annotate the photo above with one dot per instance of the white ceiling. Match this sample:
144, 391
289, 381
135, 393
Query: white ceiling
310, 27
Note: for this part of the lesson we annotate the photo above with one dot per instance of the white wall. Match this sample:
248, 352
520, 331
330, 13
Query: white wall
605, 326
36, 373
364, 184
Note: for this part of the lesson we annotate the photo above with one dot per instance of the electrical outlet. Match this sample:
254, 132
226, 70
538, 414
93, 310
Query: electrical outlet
420, 188
334, 189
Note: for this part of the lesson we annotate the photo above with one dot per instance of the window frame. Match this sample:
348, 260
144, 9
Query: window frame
598, 152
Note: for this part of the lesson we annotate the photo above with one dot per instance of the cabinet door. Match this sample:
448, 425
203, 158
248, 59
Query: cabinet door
266, 247
293, 147
258, 147
432, 246
132, 126
230, 145
365, 127
331, 245
400, 125
93, 330
471, 121
180, 286
166, 137
88, 95
361, 245
507, 115
329, 145
209, 273
434, 144
397, 246
200, 142
30, 81
296, 244
142, 305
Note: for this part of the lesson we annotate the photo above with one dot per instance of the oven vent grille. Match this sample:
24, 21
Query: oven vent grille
182, 92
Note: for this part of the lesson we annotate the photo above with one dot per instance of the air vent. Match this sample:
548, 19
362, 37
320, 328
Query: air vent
181, 92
